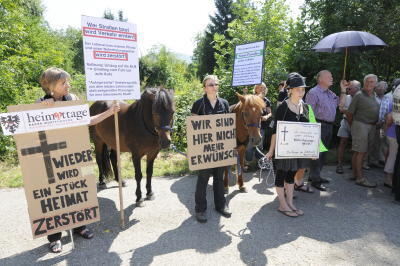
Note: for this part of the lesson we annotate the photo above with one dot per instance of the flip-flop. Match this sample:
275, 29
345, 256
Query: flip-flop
303, 188
365, 183
287, 213
55, 246
298, 212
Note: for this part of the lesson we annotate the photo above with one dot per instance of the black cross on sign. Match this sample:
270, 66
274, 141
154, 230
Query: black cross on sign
45, 148
284, 133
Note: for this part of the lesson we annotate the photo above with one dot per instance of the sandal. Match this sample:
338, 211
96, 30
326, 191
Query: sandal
339, 169
290, 213
303, 188
365, 183
85, 233
55, 246
298, 211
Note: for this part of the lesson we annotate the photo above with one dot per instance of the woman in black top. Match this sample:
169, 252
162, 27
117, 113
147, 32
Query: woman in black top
291, 109
210, 104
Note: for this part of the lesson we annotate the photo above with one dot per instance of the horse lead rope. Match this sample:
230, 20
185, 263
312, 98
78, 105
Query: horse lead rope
265, 164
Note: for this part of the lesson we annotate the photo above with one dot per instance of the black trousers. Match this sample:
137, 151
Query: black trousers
57, 236
396, 174
316, 165
218, 187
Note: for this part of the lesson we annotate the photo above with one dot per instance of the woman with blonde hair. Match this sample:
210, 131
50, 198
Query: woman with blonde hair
55, 83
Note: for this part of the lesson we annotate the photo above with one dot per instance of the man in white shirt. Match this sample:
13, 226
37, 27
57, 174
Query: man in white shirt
344, 131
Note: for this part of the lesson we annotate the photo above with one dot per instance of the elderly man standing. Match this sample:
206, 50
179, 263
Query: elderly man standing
362, 115
376, 155
344, 132
324, 103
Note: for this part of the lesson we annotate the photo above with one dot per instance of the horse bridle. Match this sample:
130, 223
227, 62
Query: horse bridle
251, 124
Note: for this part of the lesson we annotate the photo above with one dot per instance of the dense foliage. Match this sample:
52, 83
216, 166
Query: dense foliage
28, 46
321, 18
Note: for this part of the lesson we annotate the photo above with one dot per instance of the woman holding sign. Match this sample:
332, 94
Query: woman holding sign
210, 104
295, 110
55, 84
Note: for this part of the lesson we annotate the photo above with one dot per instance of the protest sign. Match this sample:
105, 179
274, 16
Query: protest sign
57, 168
111, 59
211, 141
297, 140
248, 66
44, 119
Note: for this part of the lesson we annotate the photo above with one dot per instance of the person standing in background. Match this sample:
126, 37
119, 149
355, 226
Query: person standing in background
324, 102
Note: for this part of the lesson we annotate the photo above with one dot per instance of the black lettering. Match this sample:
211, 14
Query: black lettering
193, 160
37, 230
94, 211
58, 163
48, 224
65, 218
80, 217
57, 222
46, 204
87, 214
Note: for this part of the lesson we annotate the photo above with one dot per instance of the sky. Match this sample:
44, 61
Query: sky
173, 23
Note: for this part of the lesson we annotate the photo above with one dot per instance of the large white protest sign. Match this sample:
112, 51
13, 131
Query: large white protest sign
59, 182
297, 140
211, 141
44, 119
111, 59
248, 66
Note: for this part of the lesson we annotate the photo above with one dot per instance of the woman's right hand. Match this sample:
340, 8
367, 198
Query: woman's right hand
269, 155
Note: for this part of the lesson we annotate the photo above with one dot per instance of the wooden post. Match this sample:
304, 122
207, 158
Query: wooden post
345, 65
121, 200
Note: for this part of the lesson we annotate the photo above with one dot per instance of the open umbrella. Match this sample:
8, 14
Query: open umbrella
348, 41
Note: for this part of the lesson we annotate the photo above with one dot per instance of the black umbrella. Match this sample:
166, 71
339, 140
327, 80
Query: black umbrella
348, 41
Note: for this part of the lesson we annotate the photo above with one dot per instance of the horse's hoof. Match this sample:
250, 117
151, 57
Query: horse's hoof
140, 203
226, 190
102, 185
243, 189
150, 196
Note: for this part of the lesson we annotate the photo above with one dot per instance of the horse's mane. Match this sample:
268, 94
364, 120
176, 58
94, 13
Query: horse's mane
163, 100
251, 101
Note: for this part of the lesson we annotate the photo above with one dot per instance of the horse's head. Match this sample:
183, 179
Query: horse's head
163, 109
250, 109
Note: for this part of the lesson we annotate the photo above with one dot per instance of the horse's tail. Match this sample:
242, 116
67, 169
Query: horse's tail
105, 161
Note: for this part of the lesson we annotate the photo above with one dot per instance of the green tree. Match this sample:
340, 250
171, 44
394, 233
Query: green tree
27, 47
267, 21
203, 54
321, 18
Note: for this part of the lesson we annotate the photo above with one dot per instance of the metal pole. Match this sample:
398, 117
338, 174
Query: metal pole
72, 238
121, 201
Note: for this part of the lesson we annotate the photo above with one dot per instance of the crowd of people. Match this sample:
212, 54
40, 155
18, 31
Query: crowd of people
367, 121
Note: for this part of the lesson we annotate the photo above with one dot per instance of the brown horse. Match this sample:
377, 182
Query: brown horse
144, 129
248, 111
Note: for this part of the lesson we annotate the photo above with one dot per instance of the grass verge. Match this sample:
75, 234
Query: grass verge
166, 164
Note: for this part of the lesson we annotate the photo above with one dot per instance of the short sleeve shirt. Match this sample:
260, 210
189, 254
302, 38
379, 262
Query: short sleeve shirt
364, 108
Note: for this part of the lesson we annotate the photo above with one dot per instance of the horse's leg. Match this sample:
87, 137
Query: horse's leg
138, 178
113, 157
241, 152
100, 148
226, 179
149, 174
